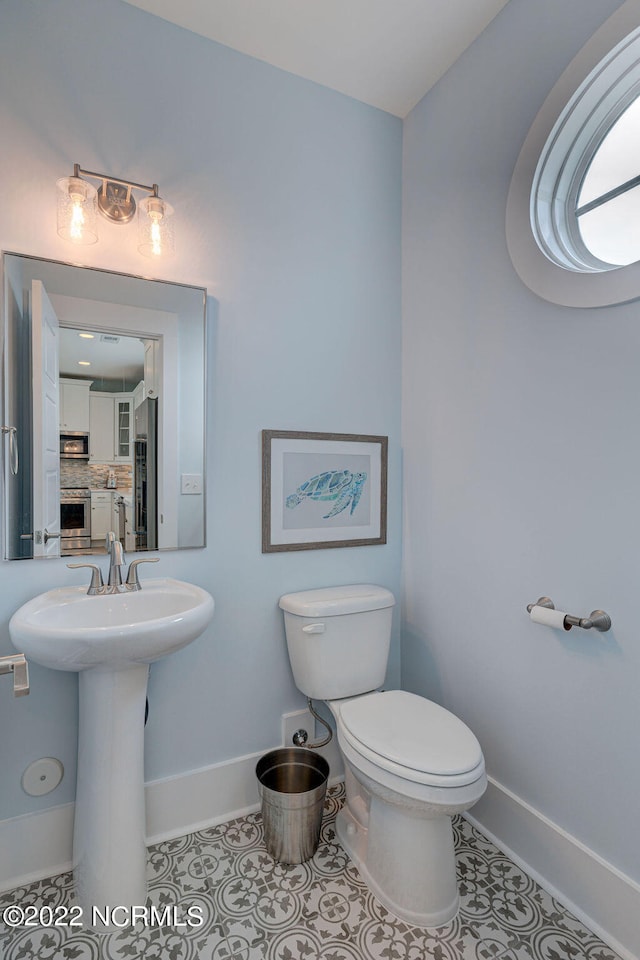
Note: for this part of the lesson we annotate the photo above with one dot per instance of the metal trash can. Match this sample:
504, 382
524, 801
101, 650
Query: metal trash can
292, 783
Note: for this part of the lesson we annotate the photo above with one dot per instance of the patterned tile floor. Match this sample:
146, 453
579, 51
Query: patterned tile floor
256, 909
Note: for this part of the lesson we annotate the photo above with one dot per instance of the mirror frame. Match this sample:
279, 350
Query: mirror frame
158, 285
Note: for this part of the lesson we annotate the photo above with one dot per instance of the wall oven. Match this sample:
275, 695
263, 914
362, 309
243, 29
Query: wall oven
75, 520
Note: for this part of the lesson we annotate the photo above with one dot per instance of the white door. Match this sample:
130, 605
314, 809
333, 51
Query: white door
46, 438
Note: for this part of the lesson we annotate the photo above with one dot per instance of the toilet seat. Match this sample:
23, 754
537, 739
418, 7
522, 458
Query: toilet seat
411, 737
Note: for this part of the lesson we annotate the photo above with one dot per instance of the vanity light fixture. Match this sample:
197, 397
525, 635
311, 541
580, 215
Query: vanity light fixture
78, 200
77, 209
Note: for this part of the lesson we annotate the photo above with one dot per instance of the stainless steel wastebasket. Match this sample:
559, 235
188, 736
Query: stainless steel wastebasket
292, 783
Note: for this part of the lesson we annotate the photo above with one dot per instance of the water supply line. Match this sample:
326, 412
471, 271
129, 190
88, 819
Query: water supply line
301, 737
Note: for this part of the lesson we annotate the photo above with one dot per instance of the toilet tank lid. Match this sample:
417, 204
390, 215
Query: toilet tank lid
335, 601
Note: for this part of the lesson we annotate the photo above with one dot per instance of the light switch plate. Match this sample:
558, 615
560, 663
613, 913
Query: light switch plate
191, 483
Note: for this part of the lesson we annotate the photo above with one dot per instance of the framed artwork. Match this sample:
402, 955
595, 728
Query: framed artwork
322, 490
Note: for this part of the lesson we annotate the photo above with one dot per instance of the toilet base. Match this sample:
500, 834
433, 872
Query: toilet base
407, 861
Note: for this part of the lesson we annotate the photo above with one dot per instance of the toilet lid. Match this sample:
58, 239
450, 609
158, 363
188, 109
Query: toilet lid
412, 732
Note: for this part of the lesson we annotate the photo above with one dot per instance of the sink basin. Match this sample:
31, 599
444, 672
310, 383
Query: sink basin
65, 629
110, 641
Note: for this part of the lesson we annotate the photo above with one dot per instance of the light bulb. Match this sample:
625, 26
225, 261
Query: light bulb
156, 236
155, 228
76, 226
77, 210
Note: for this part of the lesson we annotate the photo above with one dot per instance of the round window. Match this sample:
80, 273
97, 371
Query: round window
608, 204
589, 170
573, 214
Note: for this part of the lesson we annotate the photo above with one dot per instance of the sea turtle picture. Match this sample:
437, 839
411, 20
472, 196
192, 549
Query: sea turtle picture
343, 486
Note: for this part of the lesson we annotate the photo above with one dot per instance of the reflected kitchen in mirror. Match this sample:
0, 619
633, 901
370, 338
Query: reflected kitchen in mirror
104, 410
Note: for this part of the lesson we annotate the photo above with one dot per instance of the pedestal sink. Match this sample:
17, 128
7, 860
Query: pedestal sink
110, 640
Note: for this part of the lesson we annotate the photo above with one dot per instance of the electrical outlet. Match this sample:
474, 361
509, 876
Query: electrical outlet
191, 483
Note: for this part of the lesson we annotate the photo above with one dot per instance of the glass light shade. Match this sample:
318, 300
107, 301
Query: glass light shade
77, 210
155, 228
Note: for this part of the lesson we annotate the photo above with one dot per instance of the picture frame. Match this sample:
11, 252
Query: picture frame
322, 490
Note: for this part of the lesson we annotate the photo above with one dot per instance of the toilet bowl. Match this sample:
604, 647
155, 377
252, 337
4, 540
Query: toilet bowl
401, 794
410, 765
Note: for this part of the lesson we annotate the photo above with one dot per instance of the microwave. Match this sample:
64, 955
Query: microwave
74, 445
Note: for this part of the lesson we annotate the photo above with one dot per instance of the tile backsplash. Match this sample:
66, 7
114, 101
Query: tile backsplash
75, 473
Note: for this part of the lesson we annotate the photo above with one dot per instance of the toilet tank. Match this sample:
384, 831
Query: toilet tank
338, 639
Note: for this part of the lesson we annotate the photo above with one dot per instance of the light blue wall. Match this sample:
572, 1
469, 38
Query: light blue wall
288, 201
288, 198
521, 455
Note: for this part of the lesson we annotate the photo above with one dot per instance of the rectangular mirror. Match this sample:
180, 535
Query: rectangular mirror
104, 410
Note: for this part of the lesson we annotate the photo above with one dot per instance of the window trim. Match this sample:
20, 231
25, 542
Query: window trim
571, 124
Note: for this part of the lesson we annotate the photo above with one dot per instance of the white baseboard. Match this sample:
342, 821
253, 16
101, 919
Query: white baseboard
599, 895
201, 798
39, 845
35, 846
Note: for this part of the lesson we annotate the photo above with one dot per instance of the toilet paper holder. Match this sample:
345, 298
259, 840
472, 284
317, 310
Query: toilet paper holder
597, 619
16, 664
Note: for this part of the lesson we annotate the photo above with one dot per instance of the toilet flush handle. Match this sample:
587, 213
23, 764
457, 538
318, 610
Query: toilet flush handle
313, 628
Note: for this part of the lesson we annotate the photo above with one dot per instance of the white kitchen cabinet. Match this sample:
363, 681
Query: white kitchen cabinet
139, 395
123, 427
73, 406
101, 429
101, 513
111, 427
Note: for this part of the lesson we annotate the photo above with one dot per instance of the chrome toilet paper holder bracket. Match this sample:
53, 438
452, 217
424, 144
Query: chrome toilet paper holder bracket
597, 619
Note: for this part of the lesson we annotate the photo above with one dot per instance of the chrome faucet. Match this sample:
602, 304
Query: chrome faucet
114, 583
116, 560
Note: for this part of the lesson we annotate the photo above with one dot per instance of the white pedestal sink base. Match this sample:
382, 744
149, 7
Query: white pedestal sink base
110, 639
109, 852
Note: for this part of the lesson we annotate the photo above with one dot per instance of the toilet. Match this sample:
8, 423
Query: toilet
410, 765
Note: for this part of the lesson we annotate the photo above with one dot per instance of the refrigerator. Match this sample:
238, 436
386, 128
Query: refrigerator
145, 475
